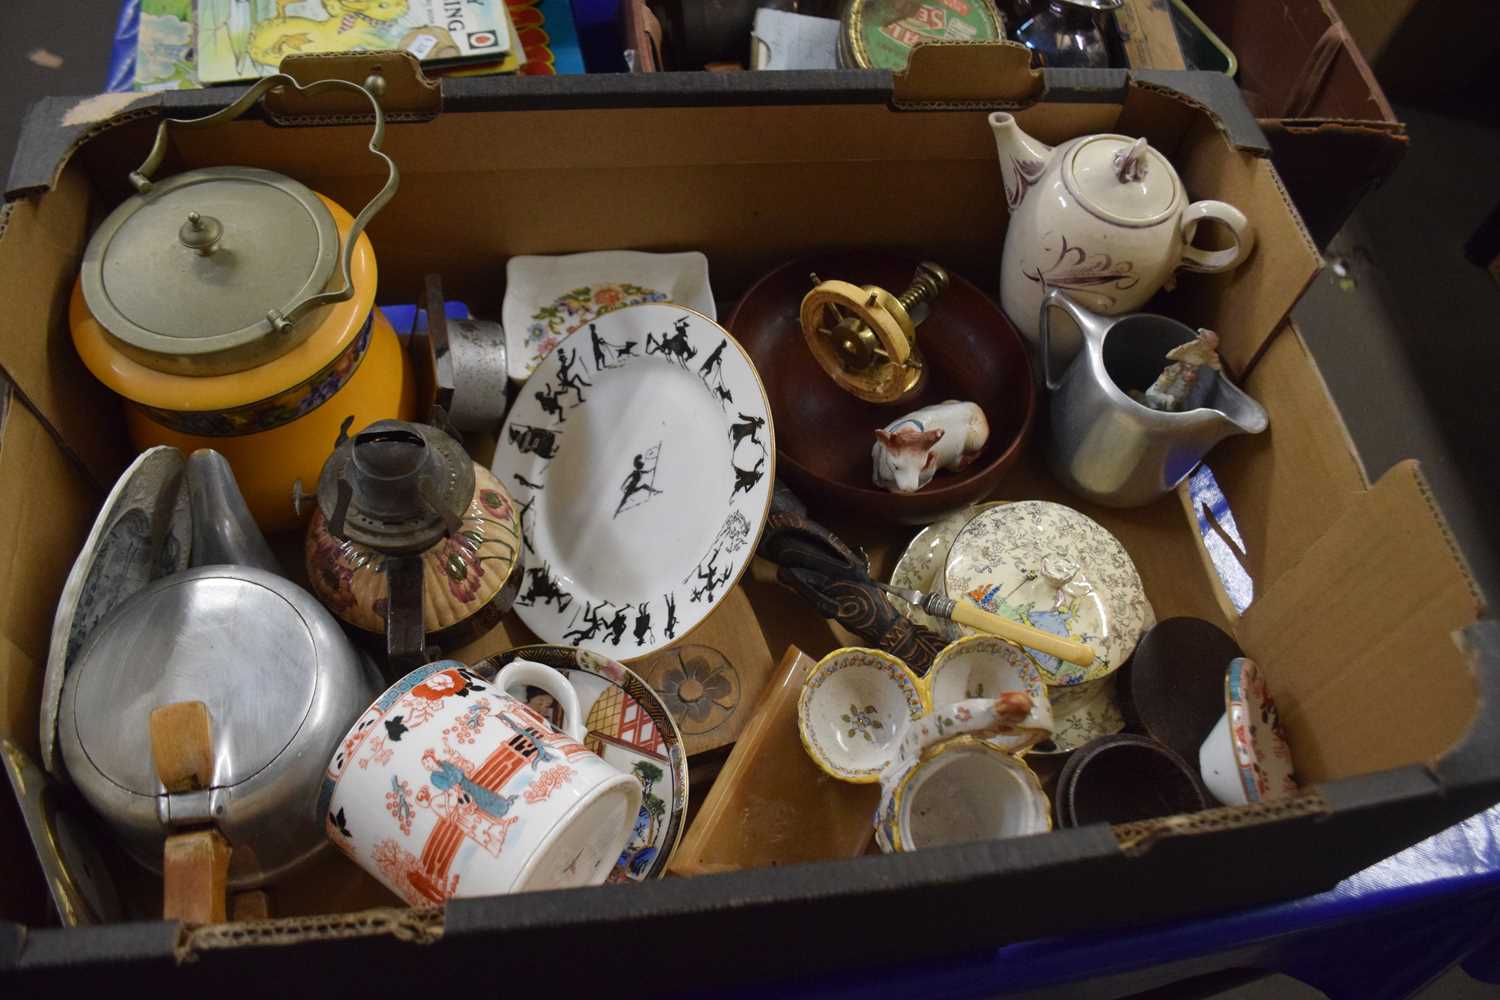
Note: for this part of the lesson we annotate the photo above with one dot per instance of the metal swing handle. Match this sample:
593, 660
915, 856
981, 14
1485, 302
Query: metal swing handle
140, 178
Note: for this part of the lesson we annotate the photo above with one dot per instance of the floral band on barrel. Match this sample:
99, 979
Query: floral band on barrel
282, 408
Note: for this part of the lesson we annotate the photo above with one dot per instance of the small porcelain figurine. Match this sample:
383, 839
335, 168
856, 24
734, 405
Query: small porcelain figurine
909, 451
1179, 382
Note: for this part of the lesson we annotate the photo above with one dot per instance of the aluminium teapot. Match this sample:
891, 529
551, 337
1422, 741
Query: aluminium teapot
1103, 217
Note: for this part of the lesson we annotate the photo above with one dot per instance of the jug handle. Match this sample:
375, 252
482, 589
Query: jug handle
549, 680
1214, 261
1094, 328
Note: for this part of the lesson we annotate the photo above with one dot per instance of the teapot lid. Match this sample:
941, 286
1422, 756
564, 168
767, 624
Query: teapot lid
244, 642
193, 273
1122, 179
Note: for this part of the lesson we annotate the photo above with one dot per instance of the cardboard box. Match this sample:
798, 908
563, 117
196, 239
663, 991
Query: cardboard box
1333, 134
1365, 619
1426, 49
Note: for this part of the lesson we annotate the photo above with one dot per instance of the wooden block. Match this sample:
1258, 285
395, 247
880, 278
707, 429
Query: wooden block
252, 905
718, 670
1147, 34
182, 746
195, 877
771, 805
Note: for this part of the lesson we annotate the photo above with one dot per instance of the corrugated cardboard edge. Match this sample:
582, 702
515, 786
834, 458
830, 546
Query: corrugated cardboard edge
422, 925
1137, 838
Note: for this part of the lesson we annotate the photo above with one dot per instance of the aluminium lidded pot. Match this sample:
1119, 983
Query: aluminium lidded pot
233, 308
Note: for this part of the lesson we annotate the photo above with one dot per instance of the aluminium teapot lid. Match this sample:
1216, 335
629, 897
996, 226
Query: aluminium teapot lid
1122, 179
246, 643
193, 272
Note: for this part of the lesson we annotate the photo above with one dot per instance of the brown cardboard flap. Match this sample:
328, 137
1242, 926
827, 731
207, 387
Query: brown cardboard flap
991, 73
1289, 484
40, 249
1360, 635
1248, 304
49, 510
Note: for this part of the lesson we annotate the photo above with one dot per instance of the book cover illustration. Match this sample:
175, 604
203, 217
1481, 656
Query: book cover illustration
245, 39
164, 46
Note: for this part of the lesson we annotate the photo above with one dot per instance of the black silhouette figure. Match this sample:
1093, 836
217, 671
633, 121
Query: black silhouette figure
676, 346
714, 363
608, 354
522, 480
534, 440
643, 631
616, 627
567, 379
711, 579
550, 400
640, 479
670, 629
540, 587
747, 427
589, 630
522, 512
745, 479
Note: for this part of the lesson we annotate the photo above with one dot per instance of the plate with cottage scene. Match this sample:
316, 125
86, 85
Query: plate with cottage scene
641, 456
629, 726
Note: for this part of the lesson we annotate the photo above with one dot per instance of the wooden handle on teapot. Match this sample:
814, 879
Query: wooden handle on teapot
195, 865
1024, 635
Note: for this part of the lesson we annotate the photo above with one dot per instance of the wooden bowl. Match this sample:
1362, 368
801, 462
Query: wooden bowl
1123, 779
824, 434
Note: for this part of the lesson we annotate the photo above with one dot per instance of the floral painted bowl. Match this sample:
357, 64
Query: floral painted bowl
984, 666
854, 709
1247, 758
547, 298
965, 789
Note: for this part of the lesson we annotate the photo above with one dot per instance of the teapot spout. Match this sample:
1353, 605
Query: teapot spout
1022, 158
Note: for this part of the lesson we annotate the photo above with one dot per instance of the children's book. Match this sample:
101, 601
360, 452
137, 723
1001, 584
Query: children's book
245, 39
164, 46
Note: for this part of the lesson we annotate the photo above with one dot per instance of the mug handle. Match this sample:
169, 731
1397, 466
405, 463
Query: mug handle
540, 675
1214, 261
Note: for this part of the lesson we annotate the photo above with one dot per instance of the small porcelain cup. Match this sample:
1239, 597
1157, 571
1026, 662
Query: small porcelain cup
1245, 758
447, 786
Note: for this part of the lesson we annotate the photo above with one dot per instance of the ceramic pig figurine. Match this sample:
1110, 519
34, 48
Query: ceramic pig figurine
909, 451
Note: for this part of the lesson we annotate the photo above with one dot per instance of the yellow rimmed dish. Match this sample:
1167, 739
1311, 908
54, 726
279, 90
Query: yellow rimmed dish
960, 790
854, 708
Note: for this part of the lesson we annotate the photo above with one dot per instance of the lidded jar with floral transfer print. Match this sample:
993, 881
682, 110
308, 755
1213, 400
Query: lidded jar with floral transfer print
412, 539
233, 308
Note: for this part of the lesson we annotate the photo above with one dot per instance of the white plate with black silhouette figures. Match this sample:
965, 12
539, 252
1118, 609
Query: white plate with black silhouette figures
640, 453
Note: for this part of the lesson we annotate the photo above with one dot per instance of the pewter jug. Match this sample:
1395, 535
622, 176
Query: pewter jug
1109, 448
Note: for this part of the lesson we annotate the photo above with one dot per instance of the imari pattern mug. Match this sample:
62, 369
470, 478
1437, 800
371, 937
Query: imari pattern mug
447, 786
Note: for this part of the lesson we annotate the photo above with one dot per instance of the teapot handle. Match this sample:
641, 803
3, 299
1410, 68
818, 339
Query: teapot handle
140, 178
1214, 261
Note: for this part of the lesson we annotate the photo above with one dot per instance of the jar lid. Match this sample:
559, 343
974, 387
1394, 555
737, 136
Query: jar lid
1122, 179
198, 273
1055, 569
230, 637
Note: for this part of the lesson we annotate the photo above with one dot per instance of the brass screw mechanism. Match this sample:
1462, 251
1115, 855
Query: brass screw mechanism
865, 338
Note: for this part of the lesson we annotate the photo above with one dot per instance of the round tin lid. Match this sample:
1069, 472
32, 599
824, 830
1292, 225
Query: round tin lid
880, 34
198, 269
1122, 179
231, 638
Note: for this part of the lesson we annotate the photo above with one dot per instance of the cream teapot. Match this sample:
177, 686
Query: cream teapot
1106, 219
